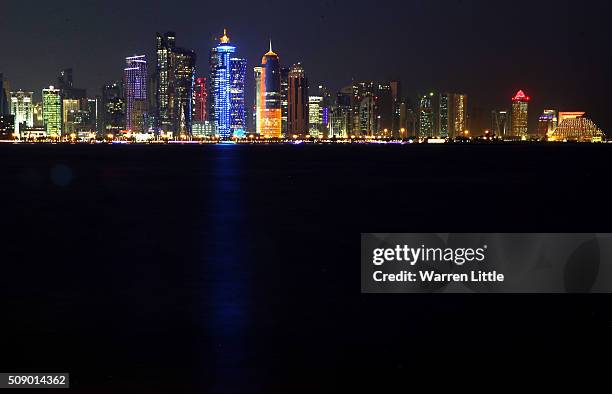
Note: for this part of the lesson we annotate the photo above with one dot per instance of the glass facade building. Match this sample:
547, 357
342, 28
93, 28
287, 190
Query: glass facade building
227, 81
52, 111
200, 96
520, 115
22, 109
297, 113
113, 111
175, 85
136, 99
238, 69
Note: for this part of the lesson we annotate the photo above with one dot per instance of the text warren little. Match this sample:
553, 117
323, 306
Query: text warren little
432, 276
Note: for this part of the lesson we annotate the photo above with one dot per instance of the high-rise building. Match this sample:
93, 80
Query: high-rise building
113, 108
136, 99
175, 77
340, 116
269, 115
226, 89
37, 109
93, 111
257, 105
200, 96
360, 90
500, 123
65, 83
367, 116
297, 91
22, 109
238, 69
315, 116
52, 111
5, 96
396, 91
427, 116
284, 99
7, 127
451, 115
520, 115
70, 113
547, 123
383, 97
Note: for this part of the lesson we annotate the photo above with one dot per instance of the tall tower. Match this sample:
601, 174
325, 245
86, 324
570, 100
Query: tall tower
113, 108
175, 77
269, 92
52, 111
135, 81
220, 79
227, 83
257, 72
284, 99
427, 116
297, 113
520, 115
22, 109
238, 69
200, 96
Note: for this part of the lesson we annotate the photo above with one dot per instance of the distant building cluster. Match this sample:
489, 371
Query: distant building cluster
169, 100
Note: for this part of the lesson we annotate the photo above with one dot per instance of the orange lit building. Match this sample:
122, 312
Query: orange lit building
268, 102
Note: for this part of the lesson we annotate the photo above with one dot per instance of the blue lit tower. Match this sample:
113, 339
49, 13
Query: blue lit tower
135, 81
227, 78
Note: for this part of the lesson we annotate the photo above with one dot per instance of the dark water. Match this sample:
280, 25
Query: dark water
235, 269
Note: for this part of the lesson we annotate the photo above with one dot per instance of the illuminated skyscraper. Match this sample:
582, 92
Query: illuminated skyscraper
238, 69
113, 108
52, 111
269, 116
383, 97
70, 110
427, 115
367, 116
39, 121
360, 90
227, 78
500, 123
200, 95
520, 115
22, 109
284, 99
451, 115
297, 114
315, 116
257, 72
135, 82
340, 116
547, 123
175, 76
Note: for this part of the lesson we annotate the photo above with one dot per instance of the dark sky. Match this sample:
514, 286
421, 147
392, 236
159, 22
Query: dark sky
557, 51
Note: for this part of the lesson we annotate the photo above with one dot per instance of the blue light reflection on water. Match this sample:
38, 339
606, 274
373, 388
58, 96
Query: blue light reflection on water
227, 273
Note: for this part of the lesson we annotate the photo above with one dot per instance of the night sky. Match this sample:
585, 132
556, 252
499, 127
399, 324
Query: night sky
557, 51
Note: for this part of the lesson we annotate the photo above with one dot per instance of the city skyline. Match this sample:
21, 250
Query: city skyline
496, 59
